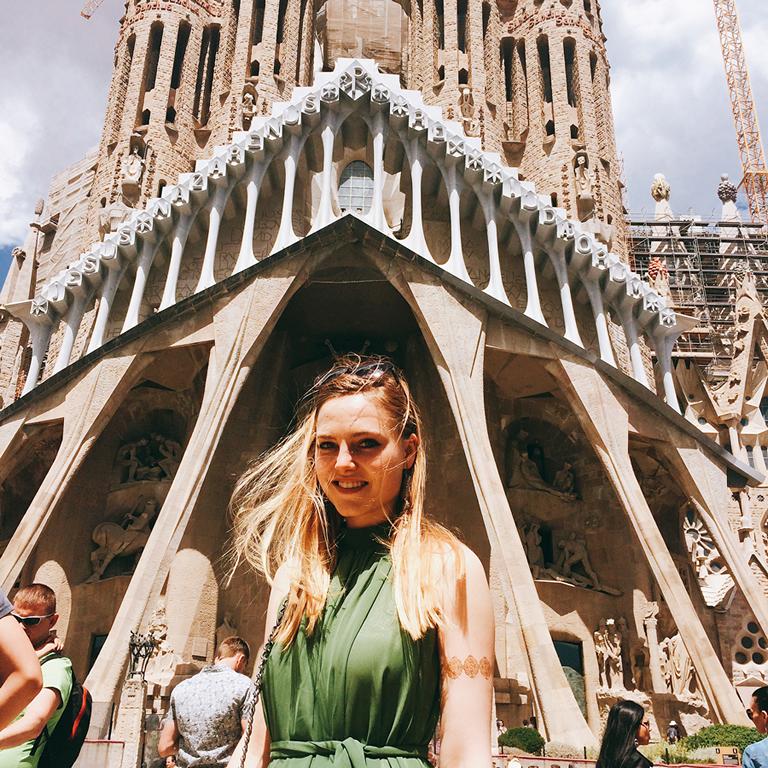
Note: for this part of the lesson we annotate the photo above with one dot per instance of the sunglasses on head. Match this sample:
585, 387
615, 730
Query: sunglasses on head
30, 621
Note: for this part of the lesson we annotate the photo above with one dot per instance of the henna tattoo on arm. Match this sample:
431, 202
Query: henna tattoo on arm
470, 666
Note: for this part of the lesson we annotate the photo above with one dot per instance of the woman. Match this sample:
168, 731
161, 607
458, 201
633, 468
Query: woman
626, 729
388, 624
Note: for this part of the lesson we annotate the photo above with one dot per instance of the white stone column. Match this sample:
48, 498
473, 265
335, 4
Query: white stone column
115, 273
286, 236
495, 285
654, 662
529, 205
663, 344
416, 240
453, 186
375, 216
325, 207
632, 335
148, 250
219, 202
72, 322
557, 259
601, 324
180, 235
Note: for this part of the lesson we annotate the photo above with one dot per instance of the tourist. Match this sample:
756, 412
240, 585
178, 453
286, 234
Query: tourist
377, 593
207, 711
673, 734
626, 729
170, 761
756, 755
20, 676
22, 743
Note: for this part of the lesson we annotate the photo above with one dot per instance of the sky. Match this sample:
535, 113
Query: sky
670, 99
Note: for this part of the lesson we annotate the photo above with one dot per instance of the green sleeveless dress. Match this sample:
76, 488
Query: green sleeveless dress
358, 692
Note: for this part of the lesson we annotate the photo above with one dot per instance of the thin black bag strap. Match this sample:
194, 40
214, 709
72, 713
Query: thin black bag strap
258, 682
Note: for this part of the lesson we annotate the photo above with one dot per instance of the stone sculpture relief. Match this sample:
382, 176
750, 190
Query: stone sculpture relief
677, 670
248, 109
151, 458
112, 215
523, 471
572, 566
162, 665
532, 545
226, 629
610, 657
661, 192
128, 537
715, 582
584, 176
131, 174
467, 109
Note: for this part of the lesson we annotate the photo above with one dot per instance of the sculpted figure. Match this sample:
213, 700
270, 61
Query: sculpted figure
564, 480
608, 649
111, 216
677, 667
467, 109
523, 472
126, 538
170, 451
532, 544
126, 457
162, 664
248, 110
226, 629
584, 177
133, 168
573, 552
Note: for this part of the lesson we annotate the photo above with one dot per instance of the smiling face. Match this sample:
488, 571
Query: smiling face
360, 458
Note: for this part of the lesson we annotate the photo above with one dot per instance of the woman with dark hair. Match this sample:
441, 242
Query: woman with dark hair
626, 730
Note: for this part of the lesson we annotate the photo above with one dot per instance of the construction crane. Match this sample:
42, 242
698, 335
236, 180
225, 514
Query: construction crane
754, 167
89, 8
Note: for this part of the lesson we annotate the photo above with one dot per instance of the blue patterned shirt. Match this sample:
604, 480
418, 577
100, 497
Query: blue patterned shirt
756, 755
208, 710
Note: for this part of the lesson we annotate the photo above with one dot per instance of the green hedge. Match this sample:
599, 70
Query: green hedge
527, 739
739, 736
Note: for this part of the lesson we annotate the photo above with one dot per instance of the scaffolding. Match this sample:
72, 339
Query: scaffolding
705, 261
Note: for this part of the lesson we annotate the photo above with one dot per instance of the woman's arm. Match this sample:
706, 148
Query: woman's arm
467, 656
19, 670
257, 755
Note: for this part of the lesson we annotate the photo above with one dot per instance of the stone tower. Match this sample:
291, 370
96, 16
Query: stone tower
171, 76
557, 117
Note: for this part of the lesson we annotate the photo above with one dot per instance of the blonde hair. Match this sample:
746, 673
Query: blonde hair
282, 516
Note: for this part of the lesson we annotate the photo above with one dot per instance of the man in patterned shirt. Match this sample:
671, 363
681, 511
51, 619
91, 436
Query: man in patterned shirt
209, 711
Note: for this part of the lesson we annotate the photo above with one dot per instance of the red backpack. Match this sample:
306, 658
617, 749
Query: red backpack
61, 748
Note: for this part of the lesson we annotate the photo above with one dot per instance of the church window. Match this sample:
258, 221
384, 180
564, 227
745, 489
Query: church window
356, 187
182, 40
486, 19
151, 63
569, 51
439, 24
461, 28
209, 48
257, 31
542, 45
588, 6
507, 54
750, 455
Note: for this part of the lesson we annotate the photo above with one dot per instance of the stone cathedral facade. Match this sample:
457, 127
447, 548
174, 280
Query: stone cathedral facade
437, 181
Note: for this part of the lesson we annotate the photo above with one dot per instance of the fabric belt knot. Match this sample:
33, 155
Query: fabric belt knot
349, 753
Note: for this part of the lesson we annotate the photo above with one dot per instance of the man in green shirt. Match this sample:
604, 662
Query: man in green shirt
34, 607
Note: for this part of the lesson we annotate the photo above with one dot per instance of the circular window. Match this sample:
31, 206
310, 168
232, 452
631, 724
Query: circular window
747, 642
763, 643
758, 658
741, 658
702, 420
356, 187
753, 628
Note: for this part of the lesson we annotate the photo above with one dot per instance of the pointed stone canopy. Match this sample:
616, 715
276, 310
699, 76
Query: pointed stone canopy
545, 237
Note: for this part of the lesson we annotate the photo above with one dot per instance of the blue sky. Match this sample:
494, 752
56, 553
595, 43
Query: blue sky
669, 96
